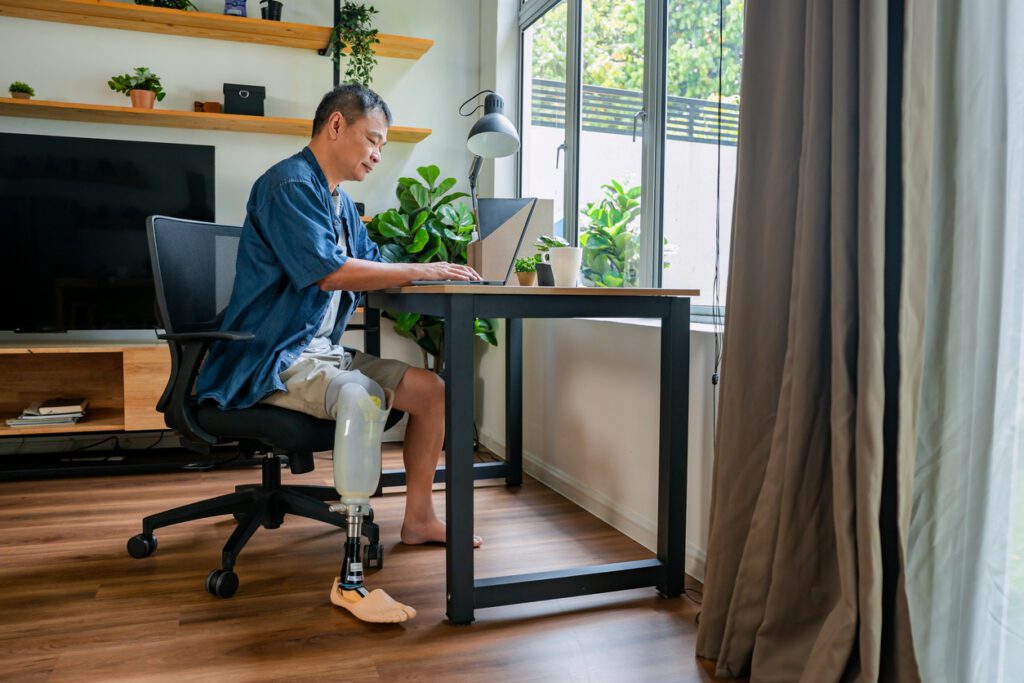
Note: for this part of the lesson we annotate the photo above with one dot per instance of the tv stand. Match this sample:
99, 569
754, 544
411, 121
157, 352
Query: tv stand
122, 381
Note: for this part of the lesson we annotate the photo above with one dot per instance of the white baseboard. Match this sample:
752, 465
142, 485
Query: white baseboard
634, 525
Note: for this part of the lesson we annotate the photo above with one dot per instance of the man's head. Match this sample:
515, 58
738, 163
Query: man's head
351, 128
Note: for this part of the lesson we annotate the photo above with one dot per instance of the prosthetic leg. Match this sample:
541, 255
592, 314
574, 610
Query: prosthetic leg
360, 409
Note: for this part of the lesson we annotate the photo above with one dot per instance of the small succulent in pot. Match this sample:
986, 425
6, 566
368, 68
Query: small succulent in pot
21, 91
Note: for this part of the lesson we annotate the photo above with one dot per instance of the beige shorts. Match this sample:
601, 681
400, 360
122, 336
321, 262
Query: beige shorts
307, 379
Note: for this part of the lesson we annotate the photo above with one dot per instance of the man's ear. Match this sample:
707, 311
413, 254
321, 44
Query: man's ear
336, 125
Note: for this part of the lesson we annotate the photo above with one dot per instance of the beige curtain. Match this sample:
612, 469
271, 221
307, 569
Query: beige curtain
793, 585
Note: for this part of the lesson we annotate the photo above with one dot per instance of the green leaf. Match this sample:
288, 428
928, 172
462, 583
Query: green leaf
392, 224
421, 195
448, 199
393, 253
429, 173
448, 215
420, 219
444, 186
406, 321
419, 240
610, 280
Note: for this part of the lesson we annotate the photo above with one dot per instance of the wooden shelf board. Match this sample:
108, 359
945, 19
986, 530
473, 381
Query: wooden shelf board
127, 16
101, 113
77, 347
95, 420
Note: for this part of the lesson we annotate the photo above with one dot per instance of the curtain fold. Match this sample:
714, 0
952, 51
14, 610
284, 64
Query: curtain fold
962, 326
793, 585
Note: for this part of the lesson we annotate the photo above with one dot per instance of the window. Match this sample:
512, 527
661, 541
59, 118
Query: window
617, 194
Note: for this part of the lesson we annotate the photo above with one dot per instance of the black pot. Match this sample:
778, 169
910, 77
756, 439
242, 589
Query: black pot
271, 9
545, 278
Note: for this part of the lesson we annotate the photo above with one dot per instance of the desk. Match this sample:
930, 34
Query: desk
459, 305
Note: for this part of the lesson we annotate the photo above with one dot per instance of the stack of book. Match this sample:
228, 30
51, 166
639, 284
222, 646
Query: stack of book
54, 411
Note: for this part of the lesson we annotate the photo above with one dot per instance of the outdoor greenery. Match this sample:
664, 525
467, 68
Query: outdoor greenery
613, 46
427, 226
18, 86
142, 79
356, 33
170, 4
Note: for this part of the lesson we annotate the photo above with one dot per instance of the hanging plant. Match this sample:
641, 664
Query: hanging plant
355, 33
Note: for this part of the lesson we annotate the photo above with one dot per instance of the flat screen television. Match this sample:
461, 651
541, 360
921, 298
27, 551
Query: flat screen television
73, 227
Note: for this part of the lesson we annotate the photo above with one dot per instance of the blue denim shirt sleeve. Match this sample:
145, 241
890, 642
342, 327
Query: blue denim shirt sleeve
296, 224
363, 247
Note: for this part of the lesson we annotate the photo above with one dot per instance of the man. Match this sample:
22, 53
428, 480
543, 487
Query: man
303, 257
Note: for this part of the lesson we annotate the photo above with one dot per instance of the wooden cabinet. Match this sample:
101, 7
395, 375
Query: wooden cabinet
122, 382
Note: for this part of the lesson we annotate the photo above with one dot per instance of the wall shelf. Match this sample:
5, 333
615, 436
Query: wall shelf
198, 25
101, 113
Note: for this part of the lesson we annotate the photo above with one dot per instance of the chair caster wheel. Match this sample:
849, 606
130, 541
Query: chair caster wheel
222, 582
141, 545
373, 556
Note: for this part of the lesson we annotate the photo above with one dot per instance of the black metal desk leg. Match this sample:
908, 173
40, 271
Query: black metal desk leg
675, 399
458, 408
371, 340
514, 401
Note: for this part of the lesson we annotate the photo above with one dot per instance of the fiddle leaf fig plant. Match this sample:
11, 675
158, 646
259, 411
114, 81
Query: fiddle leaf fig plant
426, 227
355, 33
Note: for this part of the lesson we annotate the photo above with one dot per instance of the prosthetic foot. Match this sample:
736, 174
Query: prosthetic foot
360, 411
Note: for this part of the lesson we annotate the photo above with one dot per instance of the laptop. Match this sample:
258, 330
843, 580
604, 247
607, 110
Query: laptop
503, 224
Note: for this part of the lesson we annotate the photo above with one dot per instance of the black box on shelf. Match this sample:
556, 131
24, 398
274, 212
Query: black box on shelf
244, 99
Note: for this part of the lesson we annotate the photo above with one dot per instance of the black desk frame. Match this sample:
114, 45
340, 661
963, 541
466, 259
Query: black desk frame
464, 594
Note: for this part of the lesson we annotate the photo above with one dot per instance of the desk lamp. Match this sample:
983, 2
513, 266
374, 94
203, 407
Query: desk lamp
492, 136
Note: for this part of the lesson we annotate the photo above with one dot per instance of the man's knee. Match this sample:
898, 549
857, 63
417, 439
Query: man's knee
421, 391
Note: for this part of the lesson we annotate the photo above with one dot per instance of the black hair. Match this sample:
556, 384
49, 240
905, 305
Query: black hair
352, 101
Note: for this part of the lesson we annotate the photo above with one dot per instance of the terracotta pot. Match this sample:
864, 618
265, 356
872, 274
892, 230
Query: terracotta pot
21, 96
142, 99
527, 279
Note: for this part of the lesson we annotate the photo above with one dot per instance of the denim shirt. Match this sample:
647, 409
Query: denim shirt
289, 242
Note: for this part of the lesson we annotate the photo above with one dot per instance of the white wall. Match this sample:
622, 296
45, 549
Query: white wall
65, 62
72, 63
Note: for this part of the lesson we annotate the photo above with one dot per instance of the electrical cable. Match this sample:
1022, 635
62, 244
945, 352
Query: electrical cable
717, 322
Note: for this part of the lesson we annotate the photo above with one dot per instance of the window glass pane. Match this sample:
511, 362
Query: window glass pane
543, 134
691, 151
611, 156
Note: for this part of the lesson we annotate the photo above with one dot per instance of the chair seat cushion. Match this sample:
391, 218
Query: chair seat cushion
285, 430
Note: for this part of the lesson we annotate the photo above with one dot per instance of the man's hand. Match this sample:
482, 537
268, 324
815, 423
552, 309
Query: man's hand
357, 275
447, 271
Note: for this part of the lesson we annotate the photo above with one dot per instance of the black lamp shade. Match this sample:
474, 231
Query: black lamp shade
493, 135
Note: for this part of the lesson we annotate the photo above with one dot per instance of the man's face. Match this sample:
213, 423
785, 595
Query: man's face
357, 147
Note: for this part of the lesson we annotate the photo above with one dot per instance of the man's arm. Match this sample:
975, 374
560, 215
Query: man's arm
359, 275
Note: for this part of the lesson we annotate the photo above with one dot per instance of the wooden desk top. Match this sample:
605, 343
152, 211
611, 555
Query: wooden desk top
542, 291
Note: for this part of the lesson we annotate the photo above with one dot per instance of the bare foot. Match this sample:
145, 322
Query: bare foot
376, 607
434, 531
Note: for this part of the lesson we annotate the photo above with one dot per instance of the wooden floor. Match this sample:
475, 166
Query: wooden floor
75, 607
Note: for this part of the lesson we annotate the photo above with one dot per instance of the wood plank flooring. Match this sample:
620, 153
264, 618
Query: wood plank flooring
75, 607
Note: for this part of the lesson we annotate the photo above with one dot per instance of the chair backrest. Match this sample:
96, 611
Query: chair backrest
193, 270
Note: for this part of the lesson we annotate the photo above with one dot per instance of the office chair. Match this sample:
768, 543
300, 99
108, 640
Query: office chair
194, 271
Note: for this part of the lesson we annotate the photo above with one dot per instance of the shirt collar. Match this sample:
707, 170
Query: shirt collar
310, 158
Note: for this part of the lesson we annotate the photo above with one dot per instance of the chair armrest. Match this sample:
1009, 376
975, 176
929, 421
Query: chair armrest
185, 337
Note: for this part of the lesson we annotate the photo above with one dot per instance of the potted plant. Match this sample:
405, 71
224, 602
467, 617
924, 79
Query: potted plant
544, 276
427, 226
356, 34
185, 5
21, 91
143, 87
526, 270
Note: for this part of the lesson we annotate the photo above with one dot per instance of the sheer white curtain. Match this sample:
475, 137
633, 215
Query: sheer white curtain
962, 345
